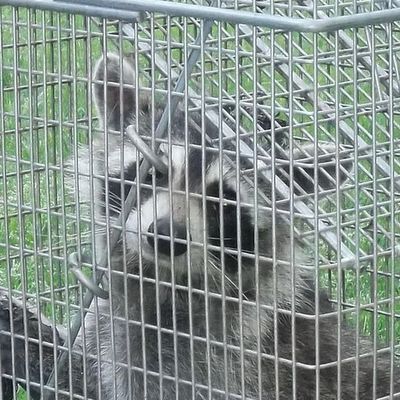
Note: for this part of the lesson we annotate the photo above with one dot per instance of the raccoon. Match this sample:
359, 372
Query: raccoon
206, 282
202, 304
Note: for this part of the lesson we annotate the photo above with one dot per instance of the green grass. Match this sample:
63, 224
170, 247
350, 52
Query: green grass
38, 221
31, 213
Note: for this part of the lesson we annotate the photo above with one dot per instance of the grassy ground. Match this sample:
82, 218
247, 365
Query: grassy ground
38, 221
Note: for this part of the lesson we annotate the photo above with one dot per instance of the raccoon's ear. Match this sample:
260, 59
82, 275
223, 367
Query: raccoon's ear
107, 74
304, 168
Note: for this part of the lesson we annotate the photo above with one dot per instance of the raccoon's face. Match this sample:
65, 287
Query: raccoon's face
200, 217
200, 213
198, 204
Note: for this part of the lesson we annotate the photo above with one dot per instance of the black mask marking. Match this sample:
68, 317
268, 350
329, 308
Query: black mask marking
230, 224
115, 190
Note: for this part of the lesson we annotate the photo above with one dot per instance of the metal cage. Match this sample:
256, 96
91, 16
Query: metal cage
300, 98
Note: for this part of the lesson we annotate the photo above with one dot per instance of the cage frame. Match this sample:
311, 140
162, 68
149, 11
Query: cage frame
131, 10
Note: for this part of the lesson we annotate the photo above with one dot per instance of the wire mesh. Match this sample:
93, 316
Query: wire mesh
286, 142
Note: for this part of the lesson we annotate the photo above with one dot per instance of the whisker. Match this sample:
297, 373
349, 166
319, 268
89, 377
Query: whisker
229, 280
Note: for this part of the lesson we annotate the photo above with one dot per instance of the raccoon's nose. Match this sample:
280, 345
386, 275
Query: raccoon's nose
163, 228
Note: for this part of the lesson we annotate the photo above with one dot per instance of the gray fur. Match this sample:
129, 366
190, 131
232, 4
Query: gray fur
239, 381
108, 379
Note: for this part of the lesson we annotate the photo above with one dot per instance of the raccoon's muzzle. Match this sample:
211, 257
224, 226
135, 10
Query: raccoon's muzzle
164, 239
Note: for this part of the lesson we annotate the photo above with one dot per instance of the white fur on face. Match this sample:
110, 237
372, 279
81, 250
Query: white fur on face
178, 155
114, 159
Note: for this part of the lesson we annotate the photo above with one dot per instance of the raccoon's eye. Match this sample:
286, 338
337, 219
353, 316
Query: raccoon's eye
229, 194
149, 177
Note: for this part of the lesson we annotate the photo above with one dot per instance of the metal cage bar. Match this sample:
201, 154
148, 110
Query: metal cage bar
99, 8
330, 67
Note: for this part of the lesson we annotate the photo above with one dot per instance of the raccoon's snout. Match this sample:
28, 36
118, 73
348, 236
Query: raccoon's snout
163, 228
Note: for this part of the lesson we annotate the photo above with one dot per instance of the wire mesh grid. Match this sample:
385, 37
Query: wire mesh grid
306, 124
